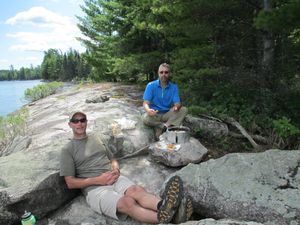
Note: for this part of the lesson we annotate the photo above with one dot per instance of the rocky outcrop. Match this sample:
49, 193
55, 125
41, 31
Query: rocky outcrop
223, 188
262, 187
77, 212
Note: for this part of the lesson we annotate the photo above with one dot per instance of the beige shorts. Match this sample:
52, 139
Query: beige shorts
104, 199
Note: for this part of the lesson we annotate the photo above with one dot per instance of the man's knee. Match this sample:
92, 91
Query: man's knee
134, 190
184, 110
125, 204
147, 120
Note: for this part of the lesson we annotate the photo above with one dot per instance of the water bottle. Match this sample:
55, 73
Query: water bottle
28, 218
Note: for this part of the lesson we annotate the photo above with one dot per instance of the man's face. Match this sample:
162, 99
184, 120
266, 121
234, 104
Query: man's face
78, 124
163, 73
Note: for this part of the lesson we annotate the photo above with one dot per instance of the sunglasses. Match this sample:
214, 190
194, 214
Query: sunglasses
164, 72
83, 120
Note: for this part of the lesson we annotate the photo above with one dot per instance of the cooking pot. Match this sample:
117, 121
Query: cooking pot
178, 134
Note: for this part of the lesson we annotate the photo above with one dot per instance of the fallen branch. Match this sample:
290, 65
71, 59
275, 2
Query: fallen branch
236, 124
257, 138
141, 151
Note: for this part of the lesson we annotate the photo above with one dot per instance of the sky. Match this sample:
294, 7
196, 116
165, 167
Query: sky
28, 28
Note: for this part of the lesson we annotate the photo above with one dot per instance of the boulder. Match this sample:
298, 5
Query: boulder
262, 187
221, 222
176, 155
209, 127
78, 212
98, 99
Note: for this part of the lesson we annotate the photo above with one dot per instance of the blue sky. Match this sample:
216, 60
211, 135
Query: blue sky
30, 27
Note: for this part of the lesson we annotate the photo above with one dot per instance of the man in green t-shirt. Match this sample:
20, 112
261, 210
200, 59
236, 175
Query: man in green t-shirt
87, 164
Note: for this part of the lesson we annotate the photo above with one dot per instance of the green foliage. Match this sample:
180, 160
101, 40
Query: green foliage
122, 38
216, 49
42, 90
11, 126
64, 66
285, 129
22, 74
283, 17
197, 110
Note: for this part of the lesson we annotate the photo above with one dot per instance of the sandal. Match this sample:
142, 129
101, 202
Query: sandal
171, 200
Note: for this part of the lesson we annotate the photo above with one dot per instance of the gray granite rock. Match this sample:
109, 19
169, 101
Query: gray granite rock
223, 188
29, 177
176, 155
208, 127
262, 187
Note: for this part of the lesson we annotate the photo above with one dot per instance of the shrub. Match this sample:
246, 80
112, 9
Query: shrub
285, 134
11, 126
285, 129
42, 90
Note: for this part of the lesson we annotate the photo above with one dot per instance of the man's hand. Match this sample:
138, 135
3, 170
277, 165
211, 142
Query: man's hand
152, 112
176, 107
108, 178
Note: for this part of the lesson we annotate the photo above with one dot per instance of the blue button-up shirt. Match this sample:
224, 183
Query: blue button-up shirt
161, 99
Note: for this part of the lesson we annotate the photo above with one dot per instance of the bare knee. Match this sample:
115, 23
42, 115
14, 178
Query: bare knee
134, 191
126, 204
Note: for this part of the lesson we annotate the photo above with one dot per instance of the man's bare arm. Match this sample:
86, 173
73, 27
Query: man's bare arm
107, 178
151, 112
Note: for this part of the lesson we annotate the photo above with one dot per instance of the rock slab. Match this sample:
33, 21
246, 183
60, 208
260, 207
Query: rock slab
262, 187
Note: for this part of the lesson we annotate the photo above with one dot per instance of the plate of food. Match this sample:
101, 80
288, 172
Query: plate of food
168, 146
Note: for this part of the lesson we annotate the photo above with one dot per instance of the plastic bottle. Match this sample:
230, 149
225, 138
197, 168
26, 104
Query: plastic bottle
28, 219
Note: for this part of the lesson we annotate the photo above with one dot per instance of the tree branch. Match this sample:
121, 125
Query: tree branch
234, 123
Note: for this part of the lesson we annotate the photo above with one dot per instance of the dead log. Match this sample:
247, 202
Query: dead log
257, 138
142, 151
236, 124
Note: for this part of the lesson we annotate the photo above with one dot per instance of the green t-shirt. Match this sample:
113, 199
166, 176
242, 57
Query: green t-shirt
84, 158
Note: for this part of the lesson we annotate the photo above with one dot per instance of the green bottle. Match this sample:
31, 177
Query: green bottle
28, 219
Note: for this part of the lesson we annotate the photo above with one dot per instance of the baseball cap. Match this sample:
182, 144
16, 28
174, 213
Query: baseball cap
75, 113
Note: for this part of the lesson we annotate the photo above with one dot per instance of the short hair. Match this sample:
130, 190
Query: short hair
166, 65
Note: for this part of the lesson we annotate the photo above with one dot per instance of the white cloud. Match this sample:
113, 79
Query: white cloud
31, 58
40, 17
58, 31
3, 60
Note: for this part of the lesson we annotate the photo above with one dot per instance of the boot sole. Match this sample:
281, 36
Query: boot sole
171, 200
185, 210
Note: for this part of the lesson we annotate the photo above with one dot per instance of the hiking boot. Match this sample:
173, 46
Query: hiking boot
170, 200
185, 210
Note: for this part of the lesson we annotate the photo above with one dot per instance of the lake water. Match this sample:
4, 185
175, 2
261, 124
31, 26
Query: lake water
12, 94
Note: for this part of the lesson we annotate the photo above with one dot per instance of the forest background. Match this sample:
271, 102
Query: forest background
234, 58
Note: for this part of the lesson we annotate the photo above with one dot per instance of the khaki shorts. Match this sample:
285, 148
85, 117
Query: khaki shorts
104, 199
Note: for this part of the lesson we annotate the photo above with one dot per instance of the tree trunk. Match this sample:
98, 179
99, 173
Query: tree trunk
268, 44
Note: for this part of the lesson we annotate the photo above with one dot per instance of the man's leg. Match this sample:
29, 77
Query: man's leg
136, 202
153, 121
130, 207
175, 118
145, 199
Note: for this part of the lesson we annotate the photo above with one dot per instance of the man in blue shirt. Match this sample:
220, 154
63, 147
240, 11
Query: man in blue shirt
162, 103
